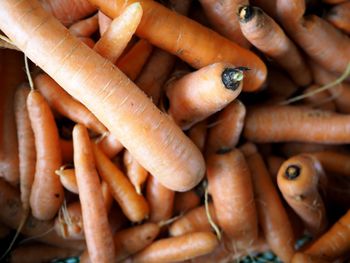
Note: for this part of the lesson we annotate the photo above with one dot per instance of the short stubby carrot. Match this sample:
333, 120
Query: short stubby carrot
95, 82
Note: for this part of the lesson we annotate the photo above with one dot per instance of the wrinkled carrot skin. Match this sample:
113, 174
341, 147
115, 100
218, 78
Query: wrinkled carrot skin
84, 28
98, 235
227, 128
47, 192
160, 200
188, 246
134, 206
339, 16
334, 162
117, 116
198, 134
193, 221
110, 145
322, 100
303, 193
272, 216
223, 17
289, 123
210, 46
186, 201
234, 203
12, 214
334, 243
66, 150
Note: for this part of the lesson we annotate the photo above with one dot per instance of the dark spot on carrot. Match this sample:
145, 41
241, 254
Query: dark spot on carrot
148, 238
223, 150
292, 172
57, 195
231, 77
246, 13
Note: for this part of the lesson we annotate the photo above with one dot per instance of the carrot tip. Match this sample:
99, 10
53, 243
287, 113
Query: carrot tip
231, 77
246, 13
292, 172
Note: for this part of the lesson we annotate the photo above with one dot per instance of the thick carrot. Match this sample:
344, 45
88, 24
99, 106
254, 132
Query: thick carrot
266, 35
321, 100
98, 235
226, 130
85, 27
63, 103
166, 30
66, 150
118, 34
133, 205
97, 82
289, 123
334, 162
300, 180
178, 248
47, 192
334, 243
339, 16
160, 200
272, 216
198, 134
196, 96
222, 16
186, 201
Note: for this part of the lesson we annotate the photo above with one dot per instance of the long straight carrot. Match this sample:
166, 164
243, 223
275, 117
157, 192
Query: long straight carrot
95, 82
158, 21
98, 234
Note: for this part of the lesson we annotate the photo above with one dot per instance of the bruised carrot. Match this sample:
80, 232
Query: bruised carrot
339, 16
157, 21
184, 202
197, 133
110, 145
66, 150
289, 123
119, 32
85, 27
300, 180
126, 108
230, 185
98, 235
272, 216
160, 200
135, 172
133, 205
103, 22
321, 100
47, 192
178, 248
132, 62
194, 97
226, 129
266, 35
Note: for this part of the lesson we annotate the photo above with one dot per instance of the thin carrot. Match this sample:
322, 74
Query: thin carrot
85, 27
195, 96
186, 201
300, 180
156, 23
178, 248
339, 16
198, 134
98, 235
66, 150
126, 109
103, 22
47, 192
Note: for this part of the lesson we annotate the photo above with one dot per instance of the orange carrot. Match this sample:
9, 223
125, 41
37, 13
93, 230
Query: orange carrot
110, 145
47, 192
334, 162
186, 201
300, 257
279, 85
194, 97
98, 234
290, 149
133, 205
85, 27
103, 22
178, 248
156, 23
66, 150
68, 179
197, 133
96, 82
321, 100
87, 41
107, 196
339, 16
274, 163
290, 14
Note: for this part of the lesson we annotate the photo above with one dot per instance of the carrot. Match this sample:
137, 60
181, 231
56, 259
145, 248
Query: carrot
160, 200
98, 234
40, 253
274, 163
226, 130
269, 6
339, 16
334, 243
66, 150
156, 23
181, 7
333, 2
132, 62
194, 97
47, 192
193, 221
103, 22
126, 109
223, 17
63, 103
87, 41
300, 180
289, 15
178, 248
272, 216
107, 196
300, 257
289, 123
266, 35
290, 149
110, 145
119, 32
334, 162
133, 205
321, 100
85, 27
198, 134
134, 171
186, 201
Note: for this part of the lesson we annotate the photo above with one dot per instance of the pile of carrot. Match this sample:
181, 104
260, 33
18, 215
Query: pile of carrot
174, 131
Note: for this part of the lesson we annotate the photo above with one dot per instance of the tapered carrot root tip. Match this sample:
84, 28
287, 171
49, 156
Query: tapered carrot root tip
231, 77
246, 13
292, 172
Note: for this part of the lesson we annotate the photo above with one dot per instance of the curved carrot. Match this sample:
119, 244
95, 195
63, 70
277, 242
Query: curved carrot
85, 27
196, 96
157, 21
300, 181
339, 16
186, 201
321, 100
178, 248
126, 109
223, 16
98, 235
198, 134
47, 192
